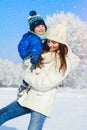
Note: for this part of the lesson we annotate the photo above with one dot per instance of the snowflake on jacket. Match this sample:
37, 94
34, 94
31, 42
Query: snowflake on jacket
30, 46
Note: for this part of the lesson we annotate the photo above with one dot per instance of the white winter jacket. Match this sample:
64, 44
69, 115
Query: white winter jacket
44, 84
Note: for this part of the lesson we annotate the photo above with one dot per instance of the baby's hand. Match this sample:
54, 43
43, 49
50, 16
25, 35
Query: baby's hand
37, 71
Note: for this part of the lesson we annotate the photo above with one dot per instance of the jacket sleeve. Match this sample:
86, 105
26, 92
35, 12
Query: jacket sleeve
23, 47
44, 81
35, 48
30, 46
74, 59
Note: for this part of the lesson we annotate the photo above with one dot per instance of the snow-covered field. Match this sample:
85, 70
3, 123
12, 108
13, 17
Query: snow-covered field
70, 111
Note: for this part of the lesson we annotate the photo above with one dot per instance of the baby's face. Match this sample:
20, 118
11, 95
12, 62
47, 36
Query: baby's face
40, 29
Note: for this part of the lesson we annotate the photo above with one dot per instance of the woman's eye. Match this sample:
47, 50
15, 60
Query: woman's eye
54, 42
48, 40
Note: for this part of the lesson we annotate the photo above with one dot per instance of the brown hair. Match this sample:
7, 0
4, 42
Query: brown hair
62, 51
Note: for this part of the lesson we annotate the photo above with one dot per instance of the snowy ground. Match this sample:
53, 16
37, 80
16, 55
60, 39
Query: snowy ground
70, 111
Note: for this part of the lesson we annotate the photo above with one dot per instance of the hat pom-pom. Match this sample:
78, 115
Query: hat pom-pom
32, 13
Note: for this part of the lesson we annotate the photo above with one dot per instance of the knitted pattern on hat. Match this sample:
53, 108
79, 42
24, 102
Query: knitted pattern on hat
34, 20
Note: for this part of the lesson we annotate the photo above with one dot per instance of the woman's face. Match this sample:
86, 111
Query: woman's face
54, 46
40, 29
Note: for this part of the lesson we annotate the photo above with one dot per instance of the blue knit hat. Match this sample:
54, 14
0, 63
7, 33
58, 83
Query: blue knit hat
34, 20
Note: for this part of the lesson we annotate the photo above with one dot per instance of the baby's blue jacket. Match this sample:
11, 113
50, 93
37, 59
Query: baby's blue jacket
30, 46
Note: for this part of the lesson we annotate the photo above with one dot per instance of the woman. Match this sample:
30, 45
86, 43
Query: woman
54, 64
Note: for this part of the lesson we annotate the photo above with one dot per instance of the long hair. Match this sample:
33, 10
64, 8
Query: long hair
62, 51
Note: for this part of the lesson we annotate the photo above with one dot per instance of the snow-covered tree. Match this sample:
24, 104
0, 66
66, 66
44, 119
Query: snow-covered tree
77, 40
76, 31
10, 74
